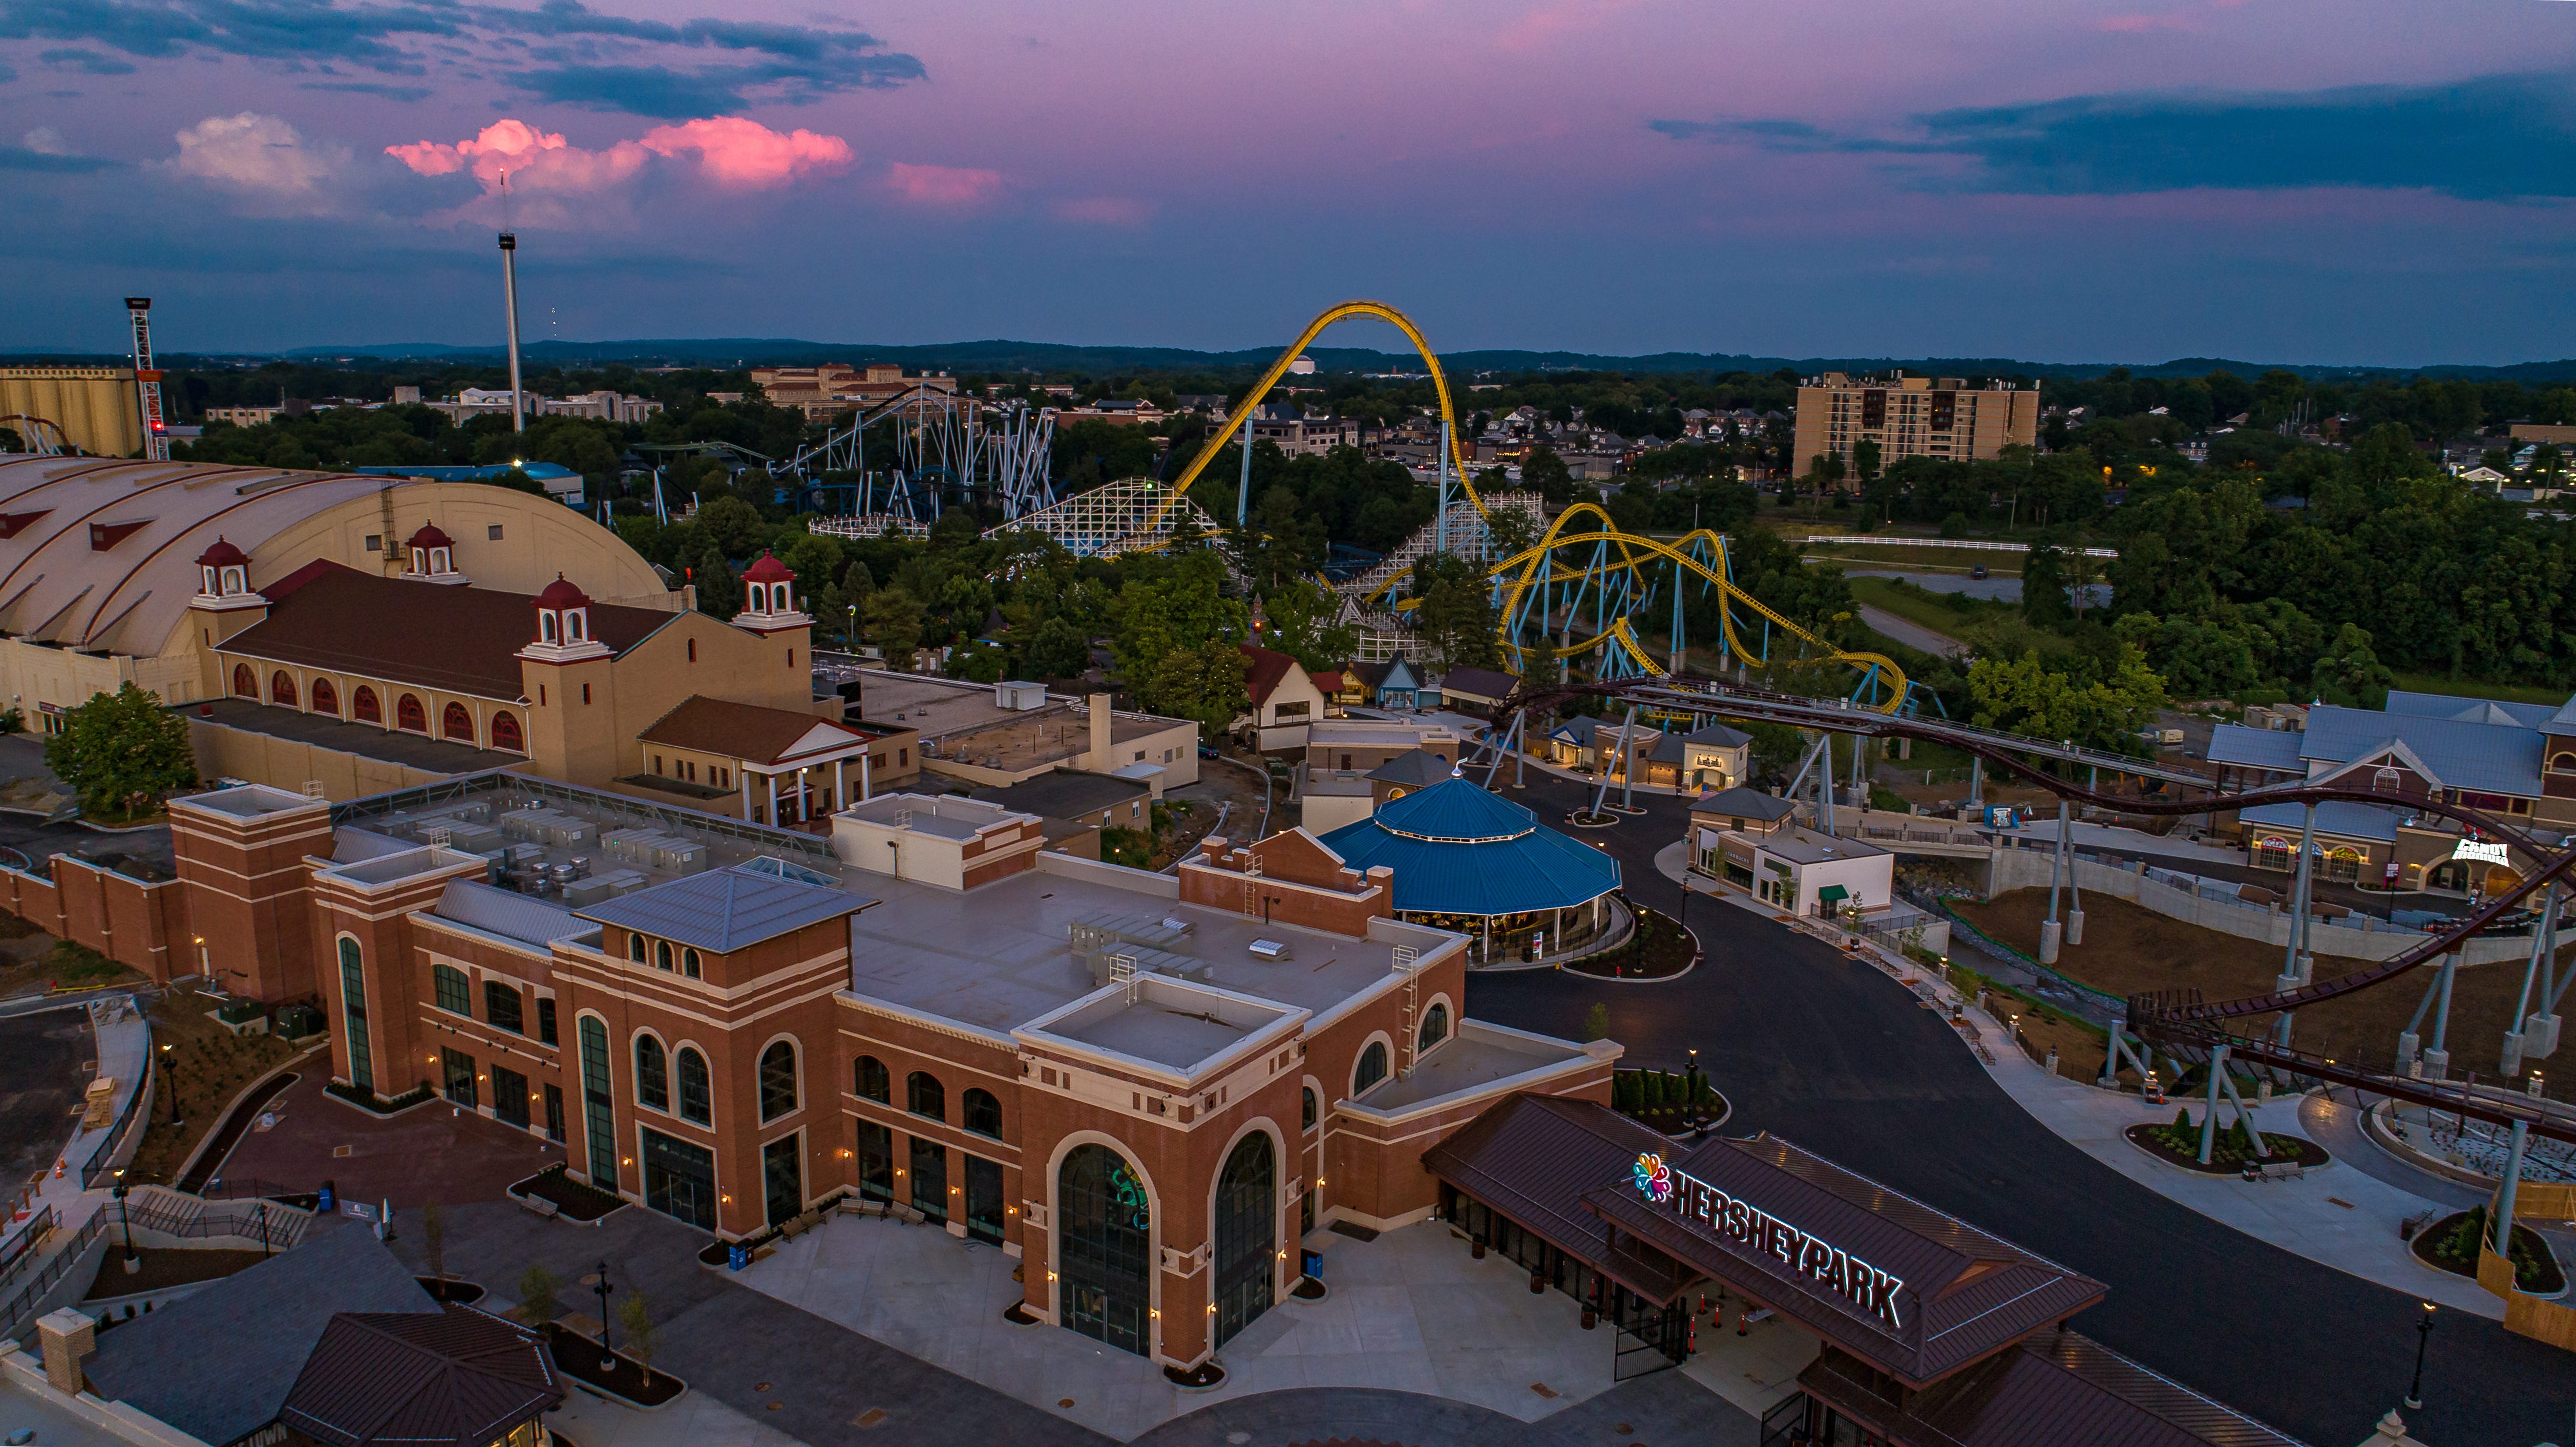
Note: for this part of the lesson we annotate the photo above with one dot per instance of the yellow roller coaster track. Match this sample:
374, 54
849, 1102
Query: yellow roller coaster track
1279, 369
1636, 551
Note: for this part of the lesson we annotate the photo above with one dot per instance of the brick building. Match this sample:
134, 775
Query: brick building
1941, 417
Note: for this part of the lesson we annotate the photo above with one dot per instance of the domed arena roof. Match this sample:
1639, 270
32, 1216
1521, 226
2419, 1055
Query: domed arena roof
1457, 849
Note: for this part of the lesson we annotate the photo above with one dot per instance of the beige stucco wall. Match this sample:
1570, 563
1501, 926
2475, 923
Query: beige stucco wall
96, 407
283, 764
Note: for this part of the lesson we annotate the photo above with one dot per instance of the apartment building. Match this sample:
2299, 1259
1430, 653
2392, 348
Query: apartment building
1939, 417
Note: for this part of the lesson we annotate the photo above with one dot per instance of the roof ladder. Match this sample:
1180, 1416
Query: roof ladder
1251, 885
1122, 971
1405, 960
385, 509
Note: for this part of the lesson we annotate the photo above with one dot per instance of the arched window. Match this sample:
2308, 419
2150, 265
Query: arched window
281, 688
457, 722
450, 990
652, 1073
2387, 779
778, 1080
635, 947
689, 963
505, 732
1247, 1232
924, 1095
695, 1104
363, 706
408, 714
1306, 1109
1371, 1069
546, 626
1435, 1026
326, 699
2562, 761
983, 1113
245, 682
2272, 852
1105, 1245
661, 954
875, 1081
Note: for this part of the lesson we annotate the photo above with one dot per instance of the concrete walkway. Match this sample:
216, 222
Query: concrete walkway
2342, 1215
1913, 635
124, 1039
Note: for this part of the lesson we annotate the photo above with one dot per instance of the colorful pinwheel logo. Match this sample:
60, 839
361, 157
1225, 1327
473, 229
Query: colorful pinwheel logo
1654, 1181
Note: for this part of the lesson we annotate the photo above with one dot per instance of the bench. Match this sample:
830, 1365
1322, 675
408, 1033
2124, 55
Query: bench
539, 1204
789, 1230
2274, 1171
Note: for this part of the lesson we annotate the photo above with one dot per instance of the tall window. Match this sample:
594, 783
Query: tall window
924, 1095
408, 714
1306, 1109
635, 947
696, 1104
457, 723
689, 964
546, 1018
661, 954
652, 1074
598, 1108
363, 706
505, 733
326, 699
875, 1081
1247, 1229
778, 1080
451, 990
983, 1113
501, 1006
1435, 1026
1371, 1069
245, 682
281, 688
876, 1161
353, 1004
1104, 1231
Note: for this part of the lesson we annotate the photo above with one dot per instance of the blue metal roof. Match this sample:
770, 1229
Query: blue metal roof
2341, 818
2469, 710
725, 909
2256, 748
536, 471
1457, 849
2484, 757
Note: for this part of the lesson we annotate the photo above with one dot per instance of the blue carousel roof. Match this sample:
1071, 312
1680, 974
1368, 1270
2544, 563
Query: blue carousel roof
1457, 849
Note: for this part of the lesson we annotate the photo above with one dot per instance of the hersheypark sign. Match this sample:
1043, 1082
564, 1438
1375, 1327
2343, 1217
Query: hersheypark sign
1714, 1213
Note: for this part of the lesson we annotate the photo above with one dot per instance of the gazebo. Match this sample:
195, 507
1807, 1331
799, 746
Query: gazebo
1484, 866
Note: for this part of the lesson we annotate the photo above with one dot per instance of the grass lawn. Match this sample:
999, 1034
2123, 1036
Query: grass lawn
1936, 611
1858, 551
2472, 688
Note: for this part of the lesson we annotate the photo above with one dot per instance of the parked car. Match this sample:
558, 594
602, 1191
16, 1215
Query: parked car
1209, 752
1978, 572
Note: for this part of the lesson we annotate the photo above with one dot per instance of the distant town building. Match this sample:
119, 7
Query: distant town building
833, 388
1940, 417
1304, 366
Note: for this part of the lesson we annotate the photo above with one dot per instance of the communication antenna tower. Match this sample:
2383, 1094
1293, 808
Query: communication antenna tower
510, 304
147, 382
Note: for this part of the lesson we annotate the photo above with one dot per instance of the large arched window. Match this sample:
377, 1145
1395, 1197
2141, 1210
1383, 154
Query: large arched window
245, 682
1105, 1247
875, 1081
695, 1103
353, 1004
1435, 1026
778, 1080
598, 1107
924, 1095
281, 688
1306, 1109
457, 723
363, 706
1371, 1069
1247, 1229
982, 1112
652, 1074
2562, 762
450, 990
408, 714
505, 732
326, 699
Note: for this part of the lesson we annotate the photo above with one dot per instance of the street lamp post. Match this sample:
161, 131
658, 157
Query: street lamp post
599, 1283
124, 1223
2423, 1336
168, 1085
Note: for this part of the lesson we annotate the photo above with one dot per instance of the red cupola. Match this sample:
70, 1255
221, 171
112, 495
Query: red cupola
223, 573
563, 625
433, 556
769, 597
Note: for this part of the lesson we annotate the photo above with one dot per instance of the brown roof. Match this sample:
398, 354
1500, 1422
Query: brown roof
1534, 1157
463, 639
2054, 1387
422, 1379
1266, 671
1965, 1294
745, 731
1479, 683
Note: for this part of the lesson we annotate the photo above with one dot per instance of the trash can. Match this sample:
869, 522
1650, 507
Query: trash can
737, 1256
330, 1198
1311, 1263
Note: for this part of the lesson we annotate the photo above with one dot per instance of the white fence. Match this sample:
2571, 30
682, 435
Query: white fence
1982, 545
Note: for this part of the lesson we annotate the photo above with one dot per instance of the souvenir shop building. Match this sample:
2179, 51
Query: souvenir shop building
1929, 1332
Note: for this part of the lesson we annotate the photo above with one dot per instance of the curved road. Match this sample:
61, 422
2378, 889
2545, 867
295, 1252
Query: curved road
1838, 1058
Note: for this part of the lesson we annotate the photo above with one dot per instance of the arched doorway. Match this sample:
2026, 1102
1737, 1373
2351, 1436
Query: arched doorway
1247, 1232
1104, 1249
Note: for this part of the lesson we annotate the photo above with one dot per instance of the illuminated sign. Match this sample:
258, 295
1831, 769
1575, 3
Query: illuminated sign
1720, 1215
2483, 852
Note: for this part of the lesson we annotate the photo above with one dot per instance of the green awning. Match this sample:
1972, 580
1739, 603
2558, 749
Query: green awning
1832, 894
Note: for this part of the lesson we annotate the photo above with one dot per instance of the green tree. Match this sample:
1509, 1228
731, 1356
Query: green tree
537, 1288
635, 1319
1596, 1022
1056, 649
734, 524
1457, 612
2043, 587
122, 753
719, 590
892, 619
1169, 605
1305, 623
1825, 469
2350, 672
1204, 684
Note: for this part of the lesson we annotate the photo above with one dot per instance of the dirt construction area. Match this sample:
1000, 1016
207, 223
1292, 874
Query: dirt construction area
2128, 949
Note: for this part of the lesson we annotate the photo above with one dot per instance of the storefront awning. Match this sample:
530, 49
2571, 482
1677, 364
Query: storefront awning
1708, 839
1832, 894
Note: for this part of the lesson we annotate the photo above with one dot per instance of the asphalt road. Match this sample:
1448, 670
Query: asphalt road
1839, 1059
41, 1081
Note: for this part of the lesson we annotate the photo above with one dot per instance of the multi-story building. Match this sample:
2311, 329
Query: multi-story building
1938, 417
827, 391
97, 409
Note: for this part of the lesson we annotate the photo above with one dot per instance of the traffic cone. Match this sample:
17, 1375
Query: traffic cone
58, 1168
1694, 1336
1744, 1320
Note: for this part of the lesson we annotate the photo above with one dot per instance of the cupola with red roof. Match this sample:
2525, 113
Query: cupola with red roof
563, 625
223, 571
769, 598
433, 556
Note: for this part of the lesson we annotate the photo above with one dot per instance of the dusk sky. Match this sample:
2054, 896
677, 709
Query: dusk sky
2361, 181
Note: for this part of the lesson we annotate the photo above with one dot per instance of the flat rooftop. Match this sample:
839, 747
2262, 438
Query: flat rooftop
1805, 846
943, 815
1477, 1055
1168, 1023
1373, 734
1001, 955
1043, 737
938, 706
364, 740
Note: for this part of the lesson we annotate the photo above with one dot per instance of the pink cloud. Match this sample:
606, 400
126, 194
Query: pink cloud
729, 150
942, 185
1105, 210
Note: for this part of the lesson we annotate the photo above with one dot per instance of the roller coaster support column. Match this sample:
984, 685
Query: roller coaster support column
1440, 530
1243, 494
2050, 931
1628, 764
2437, 1061
2209, 1119
2296, 965
1976, 783
1825, 784
2505, 1192
1627, 750
2518, 1028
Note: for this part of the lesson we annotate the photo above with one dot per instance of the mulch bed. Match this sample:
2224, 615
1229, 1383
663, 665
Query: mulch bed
577, 1357
2224, 1159
1206, 1374
572, 1200
451, 1290
2427, 1244
1307, 1289
168, 1266
1659, 950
